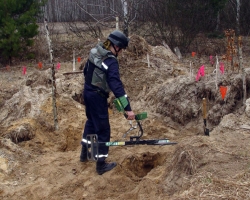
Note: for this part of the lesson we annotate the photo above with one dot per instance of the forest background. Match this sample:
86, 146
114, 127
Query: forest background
183, 24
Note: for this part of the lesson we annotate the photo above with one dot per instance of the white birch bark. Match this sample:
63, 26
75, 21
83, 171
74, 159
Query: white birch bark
125, 15
117, 23
48, 41
238, 17
52, 77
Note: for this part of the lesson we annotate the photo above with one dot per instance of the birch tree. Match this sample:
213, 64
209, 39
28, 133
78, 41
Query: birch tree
125, 15
238, 17
235, 9
52, 76
100, 13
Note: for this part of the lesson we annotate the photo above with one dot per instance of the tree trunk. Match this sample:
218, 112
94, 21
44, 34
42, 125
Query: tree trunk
125, 15
218, 22
52, 77
237, 17
242, 70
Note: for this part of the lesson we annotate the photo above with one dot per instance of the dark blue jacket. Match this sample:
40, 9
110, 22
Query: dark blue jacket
113, 78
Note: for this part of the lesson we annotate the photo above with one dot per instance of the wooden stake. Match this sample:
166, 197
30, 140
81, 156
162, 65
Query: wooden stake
148, 60
217, 68
242, 70
191, 72
74, 61
206, 131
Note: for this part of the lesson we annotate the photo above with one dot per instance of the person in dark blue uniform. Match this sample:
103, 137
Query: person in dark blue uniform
102, 76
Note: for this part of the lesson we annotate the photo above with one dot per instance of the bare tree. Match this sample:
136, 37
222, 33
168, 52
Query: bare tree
125, 15
238, 17
94, 13
52, 76
174, 21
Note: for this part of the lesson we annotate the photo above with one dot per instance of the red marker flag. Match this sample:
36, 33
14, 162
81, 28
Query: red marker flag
40, 65
24, 70
193, 54
201, 72
222, 68
223, 91
211, 59
79, 59
58, 66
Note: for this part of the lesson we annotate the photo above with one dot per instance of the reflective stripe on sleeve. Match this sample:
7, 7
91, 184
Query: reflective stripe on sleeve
105, 66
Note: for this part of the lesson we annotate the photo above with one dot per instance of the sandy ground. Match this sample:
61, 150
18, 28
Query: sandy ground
37, 162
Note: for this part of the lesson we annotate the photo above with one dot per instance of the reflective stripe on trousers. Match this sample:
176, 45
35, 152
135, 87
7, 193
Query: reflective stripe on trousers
85, 142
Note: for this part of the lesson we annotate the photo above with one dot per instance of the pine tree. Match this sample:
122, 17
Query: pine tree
18, 26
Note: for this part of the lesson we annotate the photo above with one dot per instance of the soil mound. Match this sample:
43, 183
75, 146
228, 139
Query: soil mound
37, 162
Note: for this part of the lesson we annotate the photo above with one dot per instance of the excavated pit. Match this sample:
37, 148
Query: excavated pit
141, 165
20, 134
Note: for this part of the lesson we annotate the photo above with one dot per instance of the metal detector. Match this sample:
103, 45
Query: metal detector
120, 104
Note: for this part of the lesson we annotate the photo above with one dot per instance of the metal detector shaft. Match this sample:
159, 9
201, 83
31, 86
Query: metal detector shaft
138, 142
94, 144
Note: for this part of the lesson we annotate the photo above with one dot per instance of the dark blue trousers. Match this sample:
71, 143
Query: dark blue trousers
97, 120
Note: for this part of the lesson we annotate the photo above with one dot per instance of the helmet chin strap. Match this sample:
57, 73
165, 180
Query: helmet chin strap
116, 52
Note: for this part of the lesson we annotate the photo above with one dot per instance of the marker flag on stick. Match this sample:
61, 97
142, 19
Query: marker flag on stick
58, 66
201, 72
24, 70
211, 59
223, 91
79, 59
222, 69
40, 65
193, 54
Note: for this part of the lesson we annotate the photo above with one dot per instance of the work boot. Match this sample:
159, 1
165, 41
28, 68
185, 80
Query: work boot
102, 167
84, 152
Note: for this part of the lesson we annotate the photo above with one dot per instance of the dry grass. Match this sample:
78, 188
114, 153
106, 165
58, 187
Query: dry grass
208, 186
